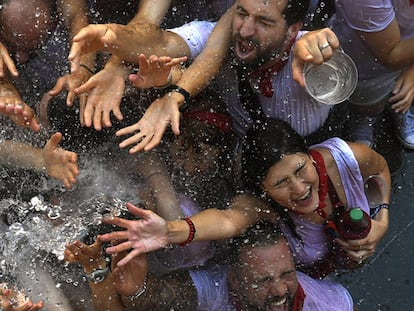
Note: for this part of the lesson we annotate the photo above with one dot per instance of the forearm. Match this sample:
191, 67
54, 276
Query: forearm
206, 66
75, 16
151, 11
164, 195
213, 224
21, 155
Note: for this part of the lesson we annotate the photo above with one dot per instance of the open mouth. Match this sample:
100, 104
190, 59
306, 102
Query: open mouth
304, 199
245, 49
278, 304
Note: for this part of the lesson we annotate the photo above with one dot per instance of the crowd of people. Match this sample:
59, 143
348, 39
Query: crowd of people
239, 170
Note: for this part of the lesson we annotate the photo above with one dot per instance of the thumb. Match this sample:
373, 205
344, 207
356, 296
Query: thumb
54, 140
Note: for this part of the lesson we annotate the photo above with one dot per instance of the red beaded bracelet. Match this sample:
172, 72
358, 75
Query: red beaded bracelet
191, 235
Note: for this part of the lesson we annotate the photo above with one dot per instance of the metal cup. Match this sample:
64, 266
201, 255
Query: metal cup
333, 81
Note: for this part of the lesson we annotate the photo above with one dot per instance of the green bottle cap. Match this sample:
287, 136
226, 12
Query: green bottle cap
356, 214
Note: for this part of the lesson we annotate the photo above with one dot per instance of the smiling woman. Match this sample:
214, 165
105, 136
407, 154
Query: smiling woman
307, 185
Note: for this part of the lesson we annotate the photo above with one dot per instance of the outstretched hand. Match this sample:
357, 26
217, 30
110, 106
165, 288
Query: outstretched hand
105, 90
59, 163
20, 113
154, 71
6, 62
142, 236
91, 38
148, 131
86, 255
11, 299
314, 47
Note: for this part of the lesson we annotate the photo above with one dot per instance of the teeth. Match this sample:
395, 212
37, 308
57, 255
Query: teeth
305, 195
280, 302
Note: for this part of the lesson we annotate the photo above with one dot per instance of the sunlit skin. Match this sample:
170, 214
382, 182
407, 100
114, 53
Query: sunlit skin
268, 281
293, 182
260, 32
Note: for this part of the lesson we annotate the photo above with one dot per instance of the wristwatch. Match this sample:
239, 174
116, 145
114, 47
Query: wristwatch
98, 275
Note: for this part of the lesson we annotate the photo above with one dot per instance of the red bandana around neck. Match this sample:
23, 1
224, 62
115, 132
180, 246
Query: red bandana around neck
411, 2
265, 75
323, 182
219, 120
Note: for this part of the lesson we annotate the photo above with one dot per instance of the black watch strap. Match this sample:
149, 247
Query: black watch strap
178, 89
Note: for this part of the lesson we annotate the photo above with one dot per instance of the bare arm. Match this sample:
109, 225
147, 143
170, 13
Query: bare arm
151, 232
387, 46
205, 66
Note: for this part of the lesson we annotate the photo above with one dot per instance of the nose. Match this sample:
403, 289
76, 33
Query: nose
297, 185
247, 28
278, 288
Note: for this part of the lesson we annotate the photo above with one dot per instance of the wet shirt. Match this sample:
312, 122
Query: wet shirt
375, 81
314, 244
290, 102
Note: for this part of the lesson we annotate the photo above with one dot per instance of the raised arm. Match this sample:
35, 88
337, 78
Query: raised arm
56, 162
152, 232
165, 111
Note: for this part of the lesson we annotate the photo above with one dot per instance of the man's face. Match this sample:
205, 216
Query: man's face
267, 281
259, 31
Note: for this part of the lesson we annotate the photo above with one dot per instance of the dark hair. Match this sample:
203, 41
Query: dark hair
266, 143
295, 11
261, 234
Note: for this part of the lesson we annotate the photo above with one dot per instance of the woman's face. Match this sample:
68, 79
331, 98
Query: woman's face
293, 182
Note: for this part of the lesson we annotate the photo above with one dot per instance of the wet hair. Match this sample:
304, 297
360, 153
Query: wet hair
295, 11
265, 145
261, 234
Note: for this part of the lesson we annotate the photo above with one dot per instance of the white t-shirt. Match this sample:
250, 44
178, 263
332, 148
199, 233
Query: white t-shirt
375, 81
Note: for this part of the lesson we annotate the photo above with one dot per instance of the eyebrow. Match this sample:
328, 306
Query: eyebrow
300, 167
261, 17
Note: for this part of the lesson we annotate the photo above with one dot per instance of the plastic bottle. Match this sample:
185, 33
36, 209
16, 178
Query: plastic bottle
353, 224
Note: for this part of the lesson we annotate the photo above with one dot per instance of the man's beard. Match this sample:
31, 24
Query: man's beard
260, 59
269, 301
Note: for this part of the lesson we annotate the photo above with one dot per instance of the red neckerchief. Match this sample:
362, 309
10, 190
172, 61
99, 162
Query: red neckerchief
323, 182
219, 120
411, 2
265, 75
297, 305
299, 299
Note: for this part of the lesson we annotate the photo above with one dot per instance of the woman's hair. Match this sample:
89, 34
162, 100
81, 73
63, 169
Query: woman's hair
266, 144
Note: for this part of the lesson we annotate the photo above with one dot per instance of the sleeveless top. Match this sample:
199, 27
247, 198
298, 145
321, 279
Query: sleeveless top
314, 248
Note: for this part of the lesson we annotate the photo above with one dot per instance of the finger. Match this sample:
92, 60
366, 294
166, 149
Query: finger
106, 118
86, 87
120, 222
154, 141
137, 211
122, 247
146, 139
117, 113
88, 112
8, 61
131, 140
131, 255
82, 104
70, 98
55, 140
97, 118
57, 88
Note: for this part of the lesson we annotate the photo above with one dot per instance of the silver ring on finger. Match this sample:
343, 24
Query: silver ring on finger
324, 46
